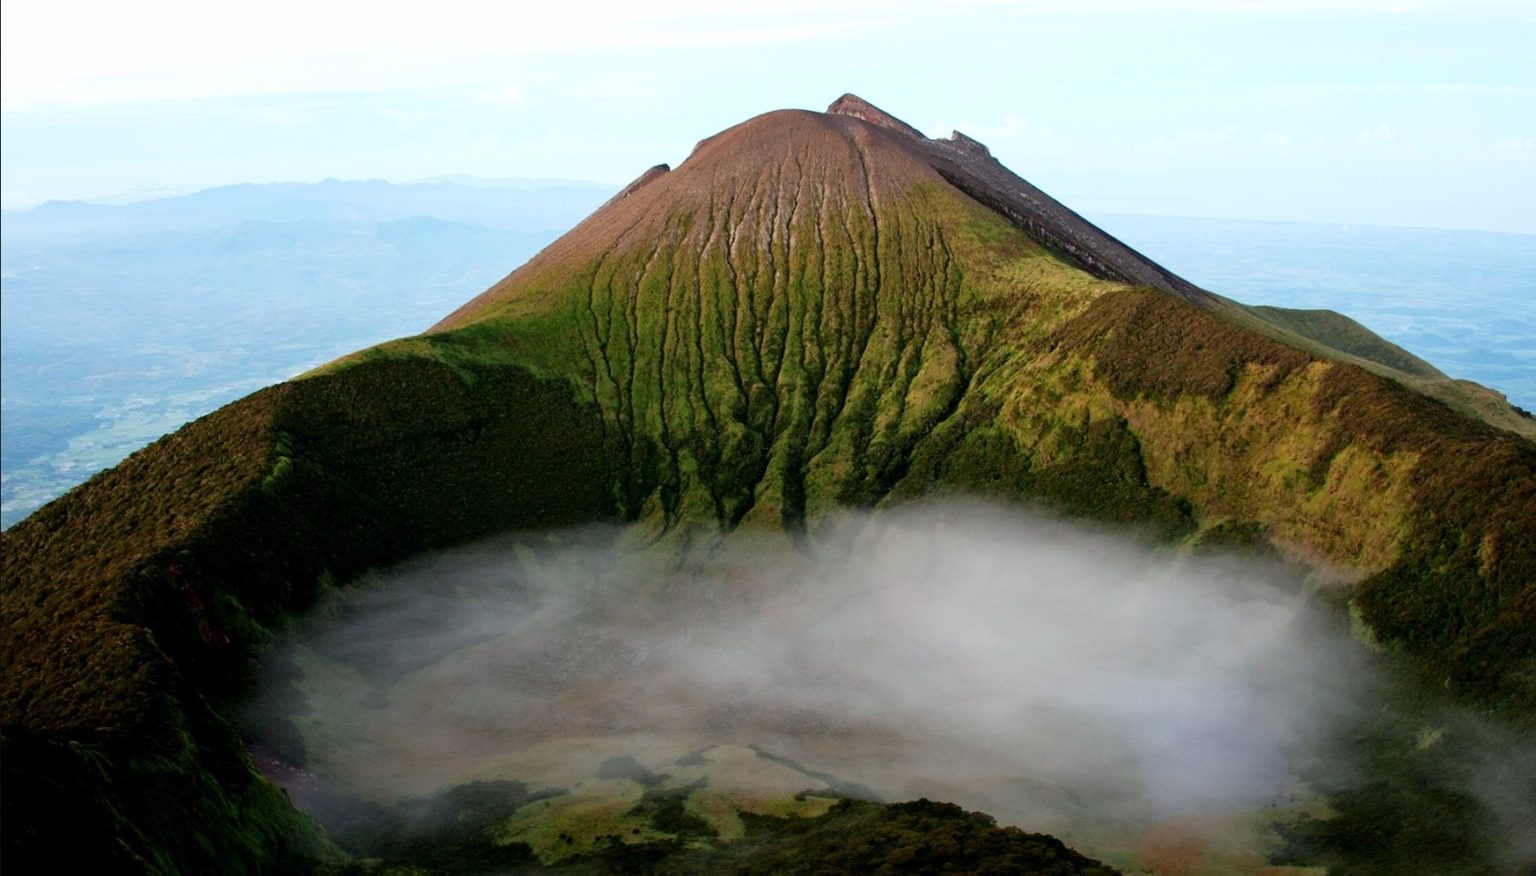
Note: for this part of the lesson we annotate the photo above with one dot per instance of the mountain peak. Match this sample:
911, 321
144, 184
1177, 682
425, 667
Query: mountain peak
793, 162
859, 108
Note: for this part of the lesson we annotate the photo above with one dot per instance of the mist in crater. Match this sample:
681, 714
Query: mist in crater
945, 645
1047, 672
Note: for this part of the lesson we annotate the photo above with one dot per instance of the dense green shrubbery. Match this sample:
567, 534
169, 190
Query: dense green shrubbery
449, 833
1462, 600
1415, 786
1104, 479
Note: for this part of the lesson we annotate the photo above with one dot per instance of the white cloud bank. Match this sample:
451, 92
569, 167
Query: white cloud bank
92, 52
955, 647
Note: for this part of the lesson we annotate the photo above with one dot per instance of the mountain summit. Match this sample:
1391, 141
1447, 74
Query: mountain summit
814, 311
785, 153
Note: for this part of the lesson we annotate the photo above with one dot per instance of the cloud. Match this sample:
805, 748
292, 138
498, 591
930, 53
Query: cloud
953, 644
280, 117
1320, 8
82, 53
1016, 130
1190, 136
1276, 141
92, 52
1379, 135
1296, 91
1196, 141
1515, 147
506, 94
1061, 677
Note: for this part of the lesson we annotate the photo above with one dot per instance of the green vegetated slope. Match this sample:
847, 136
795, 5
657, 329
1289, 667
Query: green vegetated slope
803, 316
1344, 335
1335, 336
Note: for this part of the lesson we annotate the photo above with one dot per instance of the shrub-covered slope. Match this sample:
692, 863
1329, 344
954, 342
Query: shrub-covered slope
814, 310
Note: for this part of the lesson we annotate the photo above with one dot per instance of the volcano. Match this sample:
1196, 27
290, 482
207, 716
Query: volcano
814, 311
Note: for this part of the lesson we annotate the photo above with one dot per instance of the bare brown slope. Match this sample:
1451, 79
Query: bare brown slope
868, 154
776, 168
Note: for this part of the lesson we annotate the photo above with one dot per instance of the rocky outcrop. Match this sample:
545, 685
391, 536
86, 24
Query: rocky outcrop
640, 182
859, 108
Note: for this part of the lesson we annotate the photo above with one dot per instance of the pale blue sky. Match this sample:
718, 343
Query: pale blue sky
1413, 112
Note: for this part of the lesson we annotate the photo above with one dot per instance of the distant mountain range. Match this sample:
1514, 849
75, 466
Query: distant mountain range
505, 205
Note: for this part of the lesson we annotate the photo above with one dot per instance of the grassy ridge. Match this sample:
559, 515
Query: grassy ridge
1329, 335
1341, 333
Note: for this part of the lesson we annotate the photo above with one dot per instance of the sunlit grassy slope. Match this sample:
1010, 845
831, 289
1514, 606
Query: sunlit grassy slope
805, 315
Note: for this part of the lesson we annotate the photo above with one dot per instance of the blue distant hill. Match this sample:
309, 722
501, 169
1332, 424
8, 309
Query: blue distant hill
509, 205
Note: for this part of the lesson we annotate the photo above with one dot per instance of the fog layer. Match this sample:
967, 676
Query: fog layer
1027, 666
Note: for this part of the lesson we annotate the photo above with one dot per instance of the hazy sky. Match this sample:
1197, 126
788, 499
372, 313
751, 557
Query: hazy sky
1406, 112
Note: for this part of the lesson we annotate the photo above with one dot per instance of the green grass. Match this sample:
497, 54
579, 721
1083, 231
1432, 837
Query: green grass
1338, 332
1331, 335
